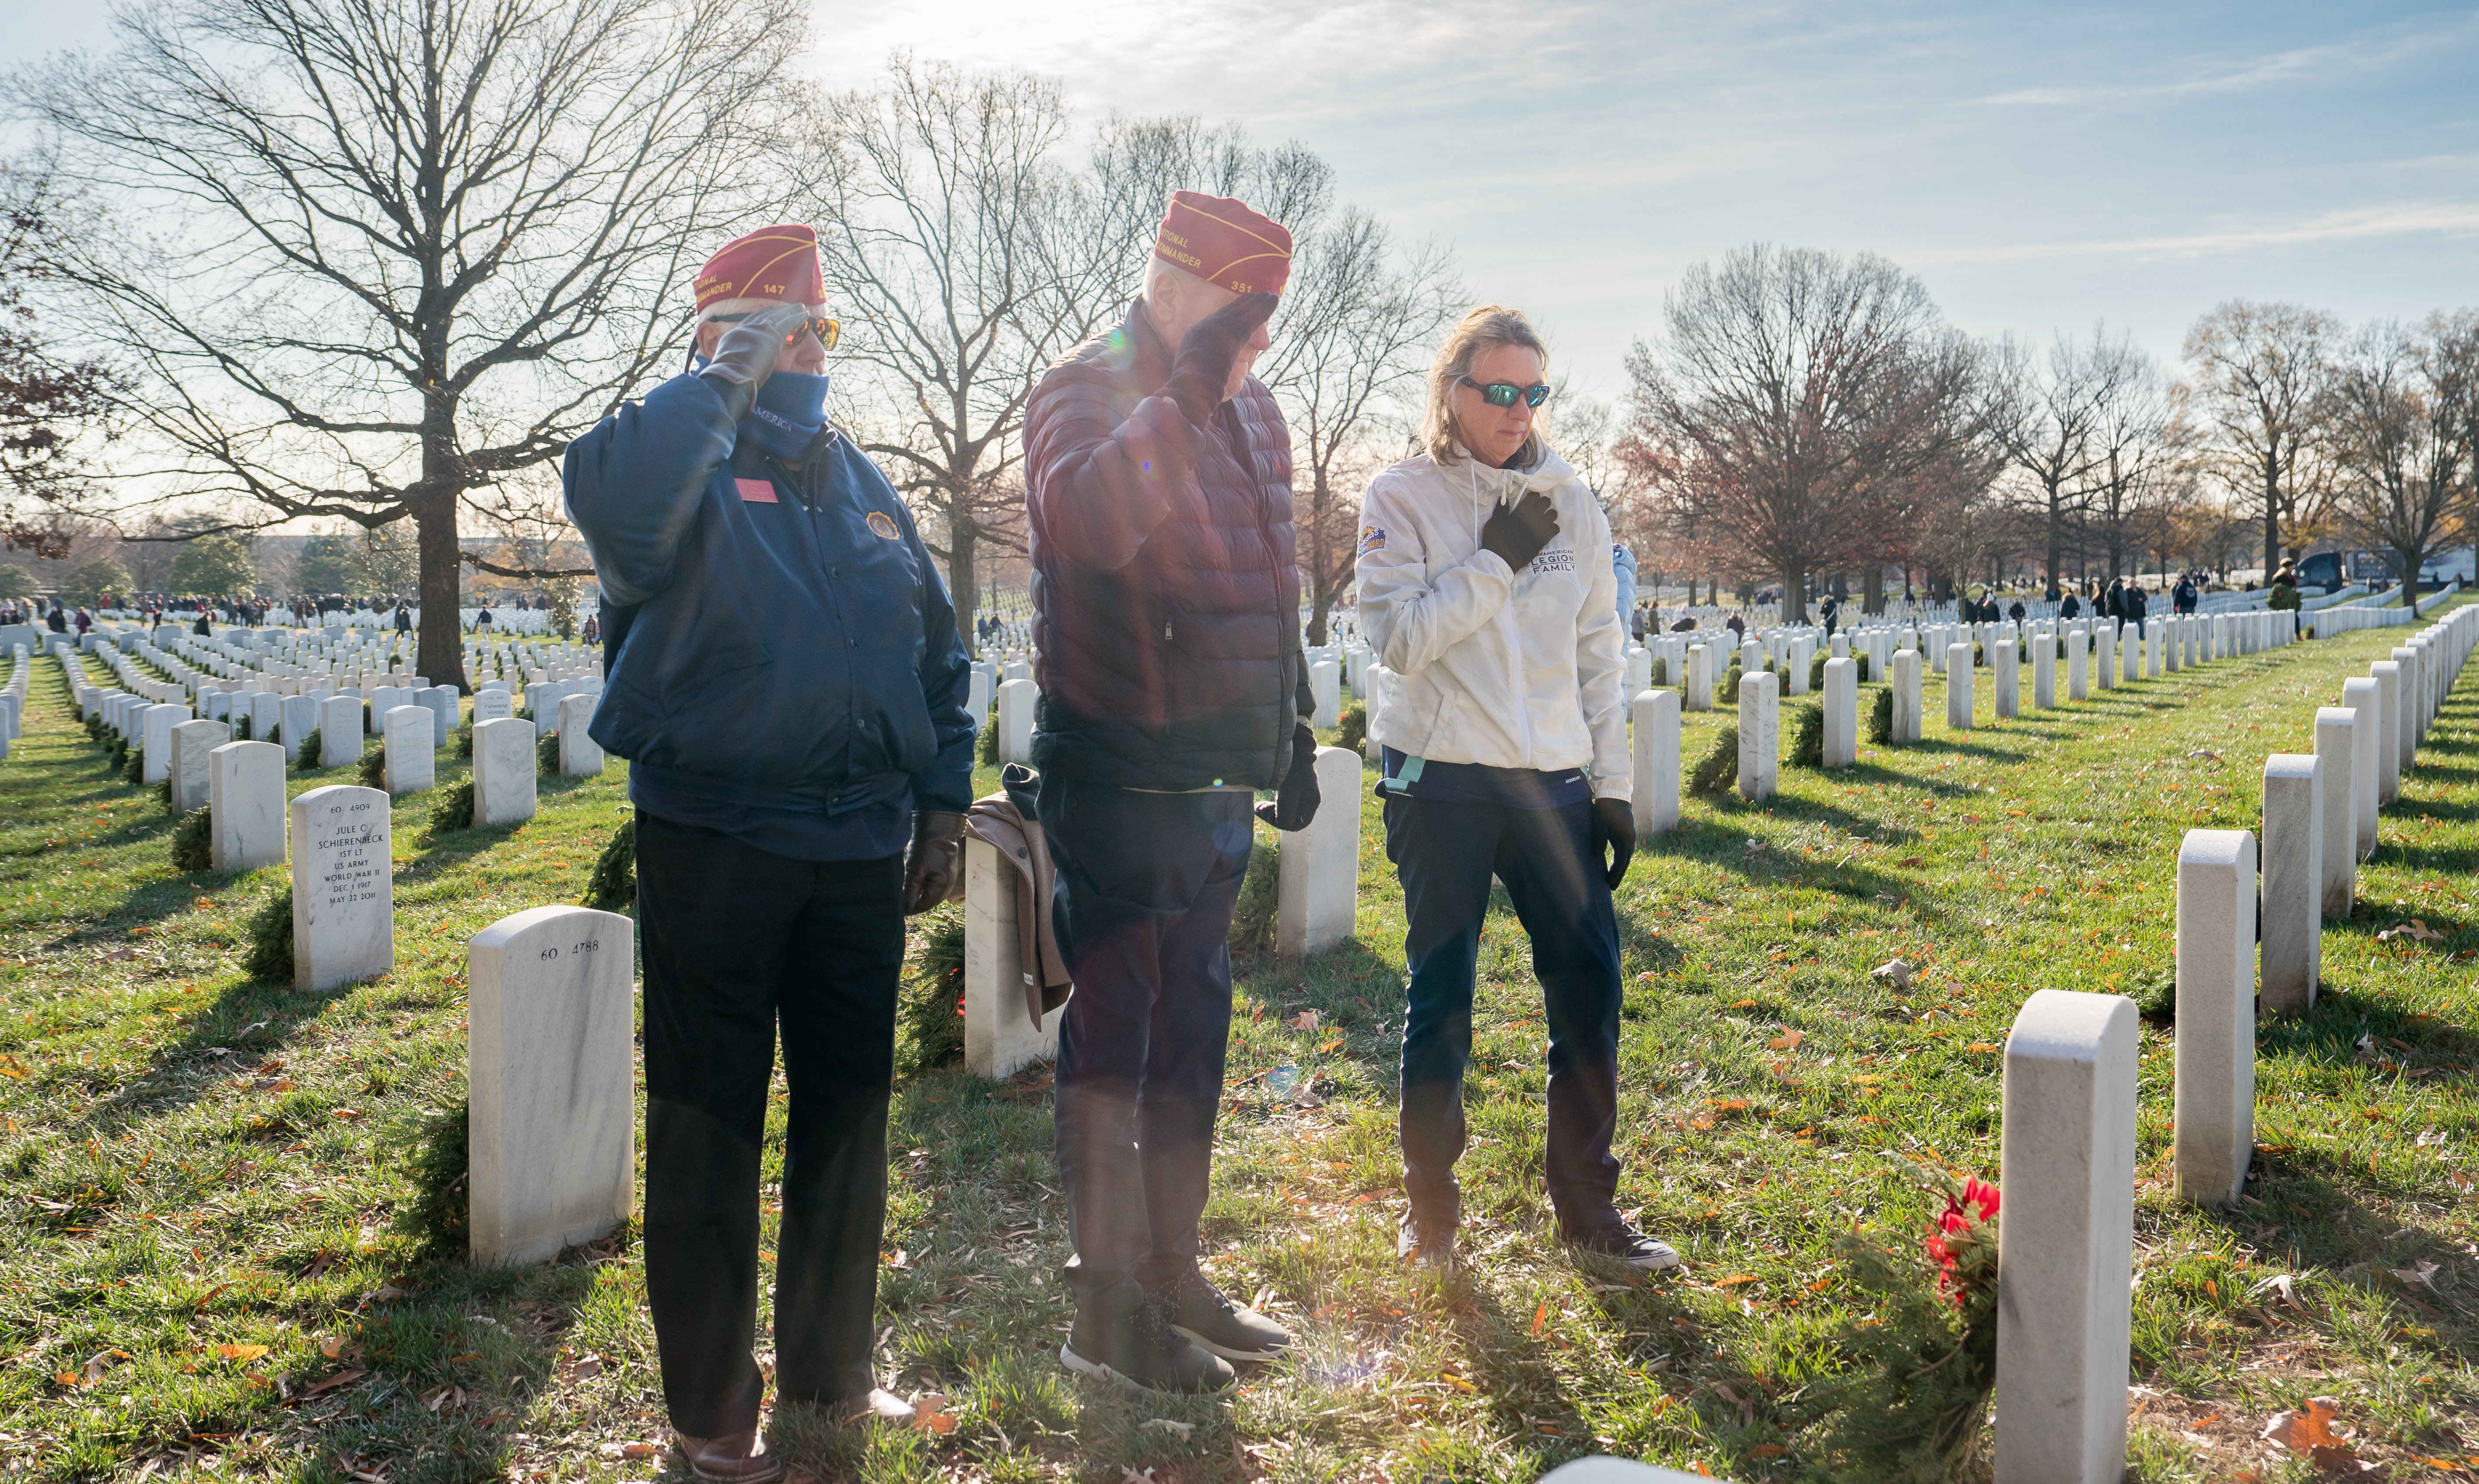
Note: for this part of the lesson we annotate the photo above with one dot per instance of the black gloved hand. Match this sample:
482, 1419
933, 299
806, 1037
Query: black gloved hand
1614, 828
1519, 534
930, 872
746, 355
1295, 802
1210, 348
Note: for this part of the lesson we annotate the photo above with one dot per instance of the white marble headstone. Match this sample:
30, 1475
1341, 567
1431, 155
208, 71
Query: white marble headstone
245, 795
549, 1073
504, 771
344, 890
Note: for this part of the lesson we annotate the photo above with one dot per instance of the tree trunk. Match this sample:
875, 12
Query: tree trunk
439, 651
961, 580
1794, 603
2056, 532
2271, 518
2411, 558
1872, 588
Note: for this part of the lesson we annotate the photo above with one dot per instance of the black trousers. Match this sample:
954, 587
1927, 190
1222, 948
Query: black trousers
1142, 906
737, 943
1444, 855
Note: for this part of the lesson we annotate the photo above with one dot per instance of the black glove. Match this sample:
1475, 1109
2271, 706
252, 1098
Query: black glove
1519, 534
1295, 802
1614, 827
930, 873
746, 355
1210, 348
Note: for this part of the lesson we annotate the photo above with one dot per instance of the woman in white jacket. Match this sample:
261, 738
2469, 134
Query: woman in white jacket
1486, 590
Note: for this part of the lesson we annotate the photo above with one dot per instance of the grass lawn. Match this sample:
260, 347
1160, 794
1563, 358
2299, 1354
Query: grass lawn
208, 1263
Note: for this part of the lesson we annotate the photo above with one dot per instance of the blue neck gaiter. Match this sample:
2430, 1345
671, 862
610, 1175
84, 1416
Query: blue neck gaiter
790, 413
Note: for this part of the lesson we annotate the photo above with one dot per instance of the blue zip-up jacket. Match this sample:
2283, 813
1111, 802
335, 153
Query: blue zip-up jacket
784, 639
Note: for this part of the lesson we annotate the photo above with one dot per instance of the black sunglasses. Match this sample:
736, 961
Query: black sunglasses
1502, 393
820, 325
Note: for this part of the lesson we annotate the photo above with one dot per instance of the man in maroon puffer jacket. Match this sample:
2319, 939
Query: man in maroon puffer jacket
1167, 649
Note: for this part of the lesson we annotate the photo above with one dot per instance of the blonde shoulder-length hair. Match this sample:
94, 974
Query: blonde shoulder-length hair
1484, 329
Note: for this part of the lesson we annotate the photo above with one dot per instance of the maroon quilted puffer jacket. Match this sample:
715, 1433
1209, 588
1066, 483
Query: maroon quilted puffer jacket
1166, 606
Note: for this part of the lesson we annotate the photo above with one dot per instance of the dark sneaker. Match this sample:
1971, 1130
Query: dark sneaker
1204, 1314
1426, 1242
1624, 1246
1121, 1335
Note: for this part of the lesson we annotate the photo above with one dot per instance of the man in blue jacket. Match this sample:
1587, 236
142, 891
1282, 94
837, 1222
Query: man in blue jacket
788, 685
1168, 637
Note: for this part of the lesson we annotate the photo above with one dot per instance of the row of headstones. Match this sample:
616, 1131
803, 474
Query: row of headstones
1655, 713
2346, 618
2066, 1248
2250, 914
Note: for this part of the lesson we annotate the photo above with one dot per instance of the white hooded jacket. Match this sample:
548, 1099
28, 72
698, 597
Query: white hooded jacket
1477, 663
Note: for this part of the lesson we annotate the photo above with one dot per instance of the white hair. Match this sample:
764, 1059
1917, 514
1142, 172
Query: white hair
735, 307
1158, 269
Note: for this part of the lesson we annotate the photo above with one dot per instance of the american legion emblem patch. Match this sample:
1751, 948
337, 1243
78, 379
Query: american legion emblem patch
884, 524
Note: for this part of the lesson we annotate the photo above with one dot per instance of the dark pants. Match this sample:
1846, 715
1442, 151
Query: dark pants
1444, 855
736, 940
1142, 908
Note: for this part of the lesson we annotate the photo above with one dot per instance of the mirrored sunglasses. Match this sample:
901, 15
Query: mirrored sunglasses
1502, 393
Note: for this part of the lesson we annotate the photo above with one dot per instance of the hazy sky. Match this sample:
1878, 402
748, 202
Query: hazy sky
2039, 167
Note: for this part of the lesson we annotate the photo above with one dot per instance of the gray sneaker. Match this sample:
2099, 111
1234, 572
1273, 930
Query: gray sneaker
1207, 1315
1123, 1335
1623, 1245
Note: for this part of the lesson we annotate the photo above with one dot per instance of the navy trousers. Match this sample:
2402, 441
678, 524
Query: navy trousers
738, 942
1444, 855
1145, 884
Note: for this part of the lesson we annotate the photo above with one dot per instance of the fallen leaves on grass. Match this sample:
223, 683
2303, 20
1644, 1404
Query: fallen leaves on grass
1895, 972
2416, 928
1788, 1040
241, 1352
2311, 1432
930, 1413
1183, 1431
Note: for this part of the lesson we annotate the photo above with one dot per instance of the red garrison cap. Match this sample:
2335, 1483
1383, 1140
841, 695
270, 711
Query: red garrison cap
1224, 242
771, 263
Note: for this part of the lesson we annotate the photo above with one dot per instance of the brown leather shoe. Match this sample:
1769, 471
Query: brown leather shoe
877, 1405
736, 1458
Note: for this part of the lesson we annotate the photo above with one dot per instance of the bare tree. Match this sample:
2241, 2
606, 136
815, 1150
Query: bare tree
1798, 401
2395, 444
406, 250
1354, 335
2453, 374
51, 405
2073, 421
945, 222
2259, 373
2142, 449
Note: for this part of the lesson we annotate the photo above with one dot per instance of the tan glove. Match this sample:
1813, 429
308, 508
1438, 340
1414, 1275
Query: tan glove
937, 856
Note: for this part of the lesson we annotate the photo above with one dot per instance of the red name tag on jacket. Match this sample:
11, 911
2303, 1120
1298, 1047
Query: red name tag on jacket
756, 492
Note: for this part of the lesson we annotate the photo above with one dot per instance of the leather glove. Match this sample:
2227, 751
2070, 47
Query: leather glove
1295, 802
1520, 534
746, 355
938, 850
1210, 348
1614, 828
